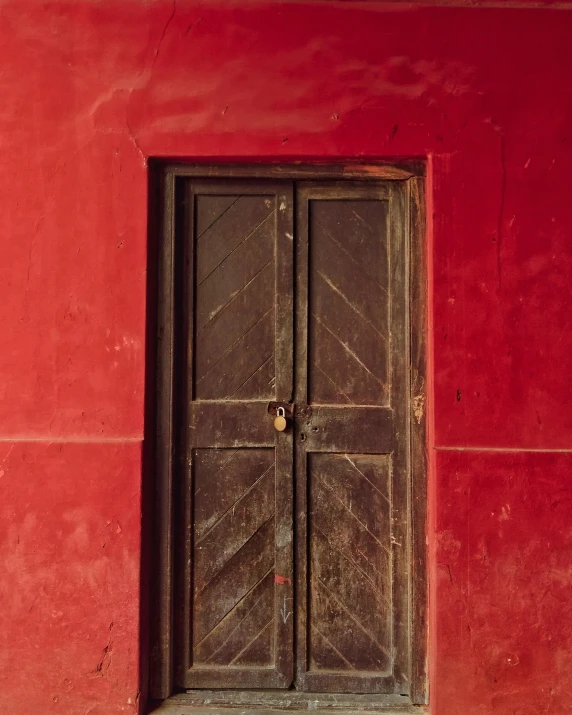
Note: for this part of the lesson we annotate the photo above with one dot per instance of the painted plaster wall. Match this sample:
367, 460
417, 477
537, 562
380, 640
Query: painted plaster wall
89, 90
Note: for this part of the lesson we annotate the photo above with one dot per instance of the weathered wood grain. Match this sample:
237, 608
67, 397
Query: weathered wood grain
352, 468
236, 515
348, 337
349, 540
234, 294
222, 478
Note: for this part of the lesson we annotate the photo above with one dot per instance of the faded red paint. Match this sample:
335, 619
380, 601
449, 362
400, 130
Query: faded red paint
281, 580
89, 91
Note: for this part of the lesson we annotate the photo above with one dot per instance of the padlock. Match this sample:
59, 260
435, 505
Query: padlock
280, 422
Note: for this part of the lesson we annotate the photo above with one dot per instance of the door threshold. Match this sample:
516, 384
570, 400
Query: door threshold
268, 702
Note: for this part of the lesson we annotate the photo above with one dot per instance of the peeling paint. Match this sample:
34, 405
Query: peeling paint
419, 407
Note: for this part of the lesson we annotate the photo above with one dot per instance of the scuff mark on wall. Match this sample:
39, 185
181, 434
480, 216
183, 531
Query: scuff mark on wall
499, 233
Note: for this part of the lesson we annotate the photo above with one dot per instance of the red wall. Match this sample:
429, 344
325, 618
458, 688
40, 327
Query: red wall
88, 90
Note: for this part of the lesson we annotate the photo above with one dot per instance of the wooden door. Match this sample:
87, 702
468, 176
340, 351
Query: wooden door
235, 576
293, 553
351, 440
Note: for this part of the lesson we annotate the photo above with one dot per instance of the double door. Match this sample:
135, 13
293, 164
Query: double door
292, 548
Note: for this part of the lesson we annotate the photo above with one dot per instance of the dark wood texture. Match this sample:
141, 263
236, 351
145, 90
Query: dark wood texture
350, 563
225, 488
234, 319
378, 171
161, 626
235, 572
418, 282
233, 557
269, 701
348, 331
352, 450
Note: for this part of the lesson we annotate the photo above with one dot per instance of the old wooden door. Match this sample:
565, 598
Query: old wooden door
236, 619
351, 439
293, 548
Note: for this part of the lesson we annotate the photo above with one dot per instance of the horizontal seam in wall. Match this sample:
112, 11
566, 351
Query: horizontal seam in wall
501, 449
74, 440
485, 4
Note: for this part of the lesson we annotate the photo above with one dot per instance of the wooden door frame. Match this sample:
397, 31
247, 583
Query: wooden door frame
165, 458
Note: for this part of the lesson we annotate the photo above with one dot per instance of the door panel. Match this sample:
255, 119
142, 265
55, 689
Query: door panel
235, 570
348, 301
234, 537
234, 325
350, 563
351, 447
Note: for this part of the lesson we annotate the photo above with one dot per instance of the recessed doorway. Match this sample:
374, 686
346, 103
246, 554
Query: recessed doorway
291, 472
